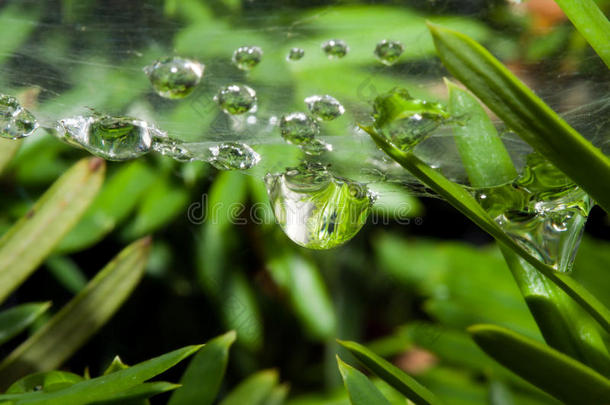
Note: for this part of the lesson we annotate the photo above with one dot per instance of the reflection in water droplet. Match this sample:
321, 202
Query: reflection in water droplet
246, 57
316, 209
298, 128
15, 121
406, 121
388, 52
233, 156
112, 138
542, 210
325, 107
175, 77
236, 99
177, 150
335, 48
316, 147
295, 54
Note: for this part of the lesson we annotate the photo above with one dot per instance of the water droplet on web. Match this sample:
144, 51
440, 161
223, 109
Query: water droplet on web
298, 128
175, 149
233, 156
335, 48
406, 121
388, 52
246, 57
112, 138
316, 209
295, 54
543, 211
15, 121
325, 107
316, 147
236, 99
174, 77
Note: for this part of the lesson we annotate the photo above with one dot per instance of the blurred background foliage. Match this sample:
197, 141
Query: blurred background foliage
407, 287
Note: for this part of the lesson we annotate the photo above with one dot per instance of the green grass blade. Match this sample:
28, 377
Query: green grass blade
524, 112
360, 389
457, 196
34, 236
58, 339
591, 22
550, 370
201, 380
392, 375
8, 148
139, 393
254, 390
15, 320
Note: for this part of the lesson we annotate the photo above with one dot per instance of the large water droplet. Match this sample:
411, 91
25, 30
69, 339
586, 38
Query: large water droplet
174, 77
295, 54
236, 99
233, 156
388, 52
15, 121
112, 138
316, 209
406, 121
543, 211
246, 57
335, 48
325, 107
298, 128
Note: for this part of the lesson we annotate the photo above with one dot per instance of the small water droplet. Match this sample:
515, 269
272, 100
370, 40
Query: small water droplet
298, 128
388, 52
112, 138
15, 121
233, 156
174, 77
246, 57
335, 48
325, 107
316, 209
175, 149
236, 99
295, 54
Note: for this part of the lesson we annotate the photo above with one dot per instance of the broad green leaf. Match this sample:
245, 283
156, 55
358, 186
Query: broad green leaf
8, 148
464, 202
591, 23
550, 370
203, 377
35, 235
360, 389
105, 387
15, 320
47, 381
253, 390
524, 112
138, 393
392, 375
278, 395
63, 334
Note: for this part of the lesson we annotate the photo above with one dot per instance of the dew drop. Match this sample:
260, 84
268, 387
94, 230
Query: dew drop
112, 138
174, 77
233, 156
316, 209
236, 99
316, 147
298, 128
335, 48
388, 52
177, 150
15, 121
295, 54
325, 108
246, 57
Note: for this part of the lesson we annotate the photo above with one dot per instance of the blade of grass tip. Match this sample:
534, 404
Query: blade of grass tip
15, 320
591, 22
360, 389
33, 237
392, 375
8, 148
63, 334
253, 390
524, 112
488, 164
457, 196
548, 369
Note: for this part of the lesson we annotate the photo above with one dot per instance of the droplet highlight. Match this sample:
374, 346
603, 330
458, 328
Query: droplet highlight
174, 77
247, 57
335, 48
236, 99
388, 52
295, 54
233, 156
325, 108
15, 121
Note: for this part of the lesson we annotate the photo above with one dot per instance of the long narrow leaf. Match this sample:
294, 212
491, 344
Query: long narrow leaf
14, 320
552, 371
52, 344
360, 389
524, 112
34, 236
